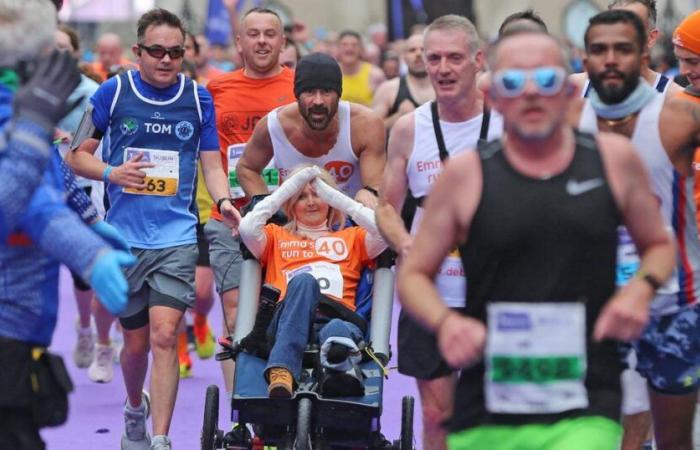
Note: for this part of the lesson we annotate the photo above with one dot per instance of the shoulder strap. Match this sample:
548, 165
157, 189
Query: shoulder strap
486, 119
661, 85
438, 132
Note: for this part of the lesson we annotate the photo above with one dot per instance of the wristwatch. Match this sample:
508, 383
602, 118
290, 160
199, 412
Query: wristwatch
221, 201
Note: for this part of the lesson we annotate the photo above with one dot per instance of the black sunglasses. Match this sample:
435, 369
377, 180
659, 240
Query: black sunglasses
158, 51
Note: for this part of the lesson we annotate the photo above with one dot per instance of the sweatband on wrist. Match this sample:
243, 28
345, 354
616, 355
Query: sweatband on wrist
105, 174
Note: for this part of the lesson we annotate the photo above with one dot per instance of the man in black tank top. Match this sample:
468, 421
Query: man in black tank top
419, 140
401, 95
536, 215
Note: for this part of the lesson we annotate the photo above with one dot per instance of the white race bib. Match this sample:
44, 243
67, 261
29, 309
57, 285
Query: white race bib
161, 180
270, 174
328, 275
535, 358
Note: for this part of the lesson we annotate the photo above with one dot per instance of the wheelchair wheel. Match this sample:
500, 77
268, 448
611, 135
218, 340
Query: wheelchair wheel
406, 442
302, 441
210, 434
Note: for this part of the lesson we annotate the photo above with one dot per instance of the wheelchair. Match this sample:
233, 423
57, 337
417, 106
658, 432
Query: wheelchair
308, 420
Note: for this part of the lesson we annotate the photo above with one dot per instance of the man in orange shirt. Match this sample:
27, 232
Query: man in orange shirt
241, 99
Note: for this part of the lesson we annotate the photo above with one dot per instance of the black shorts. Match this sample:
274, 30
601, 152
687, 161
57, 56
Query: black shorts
419, 356
203, 245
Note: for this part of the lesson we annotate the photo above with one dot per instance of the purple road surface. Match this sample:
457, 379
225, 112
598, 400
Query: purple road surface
96, 421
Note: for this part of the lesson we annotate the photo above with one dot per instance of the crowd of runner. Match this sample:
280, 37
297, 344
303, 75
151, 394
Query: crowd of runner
545, 222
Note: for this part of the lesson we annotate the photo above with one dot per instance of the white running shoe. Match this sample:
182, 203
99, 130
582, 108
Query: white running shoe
101, 370
85, 346
135, 436
161, 442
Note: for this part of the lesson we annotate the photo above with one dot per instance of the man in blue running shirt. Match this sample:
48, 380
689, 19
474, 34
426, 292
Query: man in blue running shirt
156, 125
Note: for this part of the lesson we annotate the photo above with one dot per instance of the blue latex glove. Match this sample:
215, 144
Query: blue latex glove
108, 281
111, 235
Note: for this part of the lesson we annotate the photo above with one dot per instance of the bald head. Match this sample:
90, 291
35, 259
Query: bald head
109, 50
526, 49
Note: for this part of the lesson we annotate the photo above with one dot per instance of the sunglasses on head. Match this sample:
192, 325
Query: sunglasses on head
511, 82
159, 52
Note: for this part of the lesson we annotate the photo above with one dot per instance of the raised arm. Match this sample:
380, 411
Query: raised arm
251, 227
362, 215
257, 154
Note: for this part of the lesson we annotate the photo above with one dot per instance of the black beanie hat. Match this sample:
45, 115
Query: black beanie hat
317, 71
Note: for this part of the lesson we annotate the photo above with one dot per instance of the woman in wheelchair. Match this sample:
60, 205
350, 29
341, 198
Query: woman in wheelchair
314, 260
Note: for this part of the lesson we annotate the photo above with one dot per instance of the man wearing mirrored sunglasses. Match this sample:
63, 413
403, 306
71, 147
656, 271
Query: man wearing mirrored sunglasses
664, 133
452, 60
536, 216
157, 125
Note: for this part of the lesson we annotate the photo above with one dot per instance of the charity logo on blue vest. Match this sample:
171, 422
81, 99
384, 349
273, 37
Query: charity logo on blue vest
129, 126
184, 130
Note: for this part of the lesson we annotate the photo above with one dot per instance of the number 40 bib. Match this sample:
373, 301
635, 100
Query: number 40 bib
535, 358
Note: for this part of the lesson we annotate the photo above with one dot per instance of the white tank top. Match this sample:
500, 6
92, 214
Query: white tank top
675, 192
340, 160
422, 170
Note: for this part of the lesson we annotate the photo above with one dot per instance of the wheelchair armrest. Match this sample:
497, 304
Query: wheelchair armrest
248, 298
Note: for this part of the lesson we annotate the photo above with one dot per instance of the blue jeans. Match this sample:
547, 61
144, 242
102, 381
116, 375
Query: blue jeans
291, 325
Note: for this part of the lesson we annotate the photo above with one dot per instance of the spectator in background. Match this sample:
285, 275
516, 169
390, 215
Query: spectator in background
391, 64
360, 78
109, 53
291, 54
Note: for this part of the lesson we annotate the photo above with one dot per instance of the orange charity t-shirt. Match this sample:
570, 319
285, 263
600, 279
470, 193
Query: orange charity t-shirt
240, 102
336, 260
696, 160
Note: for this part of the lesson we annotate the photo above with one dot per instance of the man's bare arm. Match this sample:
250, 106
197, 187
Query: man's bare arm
394, 186
83, 161
368, 131
626, 313
257, 154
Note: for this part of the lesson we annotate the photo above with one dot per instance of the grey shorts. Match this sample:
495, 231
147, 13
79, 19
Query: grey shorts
224, 255
162, 277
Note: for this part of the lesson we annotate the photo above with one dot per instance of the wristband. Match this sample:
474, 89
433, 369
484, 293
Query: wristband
372, 190
105, 174
649, 278
221, 201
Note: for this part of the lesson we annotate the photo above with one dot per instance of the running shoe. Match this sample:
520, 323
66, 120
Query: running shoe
135, 436
161, 442
101, 370
183, 356
85, 346
204, 340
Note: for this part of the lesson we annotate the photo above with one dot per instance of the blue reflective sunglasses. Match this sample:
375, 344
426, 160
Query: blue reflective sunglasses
511, 83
